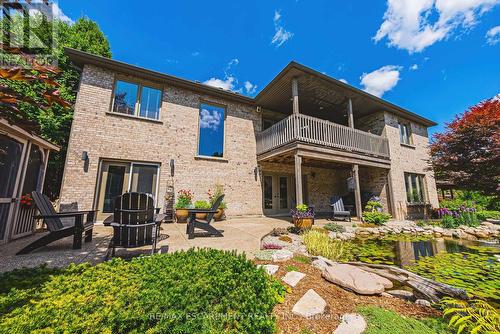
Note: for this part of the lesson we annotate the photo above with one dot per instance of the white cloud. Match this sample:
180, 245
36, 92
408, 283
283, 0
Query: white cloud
281, 35
227, 83
195, 54
250, 87
51, 11
380, 81
343, 80
414, 25
493, 35
58, 13
414, 67
210, 120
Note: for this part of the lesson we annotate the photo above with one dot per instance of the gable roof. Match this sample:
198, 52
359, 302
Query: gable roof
370, 102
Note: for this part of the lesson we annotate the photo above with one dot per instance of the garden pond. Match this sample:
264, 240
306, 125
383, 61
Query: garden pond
471, 265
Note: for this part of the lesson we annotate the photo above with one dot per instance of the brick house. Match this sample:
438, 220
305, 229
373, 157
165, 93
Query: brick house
302, 139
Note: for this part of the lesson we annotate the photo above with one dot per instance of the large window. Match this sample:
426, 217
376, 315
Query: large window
137, 100
415, 191
405, 133
211, 137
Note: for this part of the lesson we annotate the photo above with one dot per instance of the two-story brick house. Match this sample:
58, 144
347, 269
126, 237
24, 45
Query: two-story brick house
302, 139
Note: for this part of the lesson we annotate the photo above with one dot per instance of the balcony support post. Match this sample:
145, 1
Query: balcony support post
295, 95
357, 192
298, 179
350, 117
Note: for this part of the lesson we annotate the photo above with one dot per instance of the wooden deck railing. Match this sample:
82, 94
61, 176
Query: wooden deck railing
320, 132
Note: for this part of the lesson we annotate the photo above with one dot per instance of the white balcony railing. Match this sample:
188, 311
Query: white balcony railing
320, 132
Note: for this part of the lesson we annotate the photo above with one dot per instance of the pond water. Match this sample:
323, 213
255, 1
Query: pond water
406, 252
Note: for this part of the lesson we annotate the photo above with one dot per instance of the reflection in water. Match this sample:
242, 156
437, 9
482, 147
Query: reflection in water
407, 252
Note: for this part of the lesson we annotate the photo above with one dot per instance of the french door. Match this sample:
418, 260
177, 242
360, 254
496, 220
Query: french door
117, 177
12, 152
277, 194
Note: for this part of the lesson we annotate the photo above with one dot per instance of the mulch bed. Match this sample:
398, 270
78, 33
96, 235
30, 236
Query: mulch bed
339, 302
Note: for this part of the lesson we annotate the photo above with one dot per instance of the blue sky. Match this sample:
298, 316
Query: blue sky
433, 57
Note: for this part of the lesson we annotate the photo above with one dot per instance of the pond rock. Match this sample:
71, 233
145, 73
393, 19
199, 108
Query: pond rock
402, 294
351, 323
356, 279
309, 305
282, 255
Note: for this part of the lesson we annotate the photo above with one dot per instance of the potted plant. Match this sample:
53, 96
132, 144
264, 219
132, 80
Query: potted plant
212, 197
184, 202
303, 217
202, 205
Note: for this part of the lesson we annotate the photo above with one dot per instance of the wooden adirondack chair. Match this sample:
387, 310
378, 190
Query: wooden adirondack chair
338, 209
56, 228
135, 221
204, 224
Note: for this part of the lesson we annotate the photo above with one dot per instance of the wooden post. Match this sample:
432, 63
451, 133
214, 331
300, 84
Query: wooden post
350, 117
390, 191
298, 179
295, 96
357, 192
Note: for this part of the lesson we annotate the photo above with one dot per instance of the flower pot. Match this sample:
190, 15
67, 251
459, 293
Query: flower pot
218, 216
303, 223
201, 216
181, 215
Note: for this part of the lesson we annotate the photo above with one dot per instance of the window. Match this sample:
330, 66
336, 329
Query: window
211, 135
415, 191
136, 100
405, 133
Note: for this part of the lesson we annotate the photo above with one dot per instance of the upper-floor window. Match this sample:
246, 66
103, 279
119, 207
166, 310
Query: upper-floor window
405, 133
211, 132
415, 191
136, 100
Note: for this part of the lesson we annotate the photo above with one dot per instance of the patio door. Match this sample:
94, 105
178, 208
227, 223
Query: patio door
118, 177
12, 151
277, 194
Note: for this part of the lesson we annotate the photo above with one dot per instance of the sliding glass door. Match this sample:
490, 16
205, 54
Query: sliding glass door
117, 177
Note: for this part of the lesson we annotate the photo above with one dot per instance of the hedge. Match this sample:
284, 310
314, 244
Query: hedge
194, 291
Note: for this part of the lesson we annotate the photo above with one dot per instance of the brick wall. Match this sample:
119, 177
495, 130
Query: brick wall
108, 136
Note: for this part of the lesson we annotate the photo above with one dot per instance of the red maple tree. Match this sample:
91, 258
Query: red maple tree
467, 153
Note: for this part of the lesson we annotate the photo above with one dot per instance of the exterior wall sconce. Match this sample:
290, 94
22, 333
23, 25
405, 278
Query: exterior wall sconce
172, 167
85, 156
256, 172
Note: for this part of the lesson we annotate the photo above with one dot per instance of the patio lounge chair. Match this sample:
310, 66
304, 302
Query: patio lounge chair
204, 224
338, 209
135, 222
57, 230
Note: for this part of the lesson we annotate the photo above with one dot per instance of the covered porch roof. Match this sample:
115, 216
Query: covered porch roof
323, 97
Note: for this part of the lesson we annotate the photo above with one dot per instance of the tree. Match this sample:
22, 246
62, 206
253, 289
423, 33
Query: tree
54, 121
467, 153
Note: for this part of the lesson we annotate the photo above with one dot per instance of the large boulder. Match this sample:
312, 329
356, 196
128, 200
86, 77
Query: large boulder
402, 294
309, 305
356, 279
351, 324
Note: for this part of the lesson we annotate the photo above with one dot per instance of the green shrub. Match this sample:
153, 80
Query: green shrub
202, 205
194, 291
377, 218
483, 215
449, 222
472, 199
474, 316
334, 227
380, 321
302, 259
373, 206
319, 243
291, 268
468, 218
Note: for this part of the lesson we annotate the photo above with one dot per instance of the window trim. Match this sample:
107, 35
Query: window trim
409, 133
197, 154
420, 184
137, 107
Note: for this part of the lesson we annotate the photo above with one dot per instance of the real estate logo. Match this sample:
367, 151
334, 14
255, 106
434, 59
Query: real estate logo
27, 28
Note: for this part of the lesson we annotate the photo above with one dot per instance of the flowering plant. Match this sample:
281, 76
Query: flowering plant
302, 211
212, 196
184, 199
26, 201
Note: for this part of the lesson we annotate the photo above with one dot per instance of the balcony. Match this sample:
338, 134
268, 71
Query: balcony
310, 130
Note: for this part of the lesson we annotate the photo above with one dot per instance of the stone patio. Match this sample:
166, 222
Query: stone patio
240, 234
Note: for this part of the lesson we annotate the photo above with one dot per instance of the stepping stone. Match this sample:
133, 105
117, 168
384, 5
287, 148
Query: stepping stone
351, 323
293, 277
402, 294
271, 269
356, 279
282, 255
309, 305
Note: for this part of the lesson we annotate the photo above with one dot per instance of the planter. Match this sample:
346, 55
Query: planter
181, 215
219, 215
303, 223
201, 216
